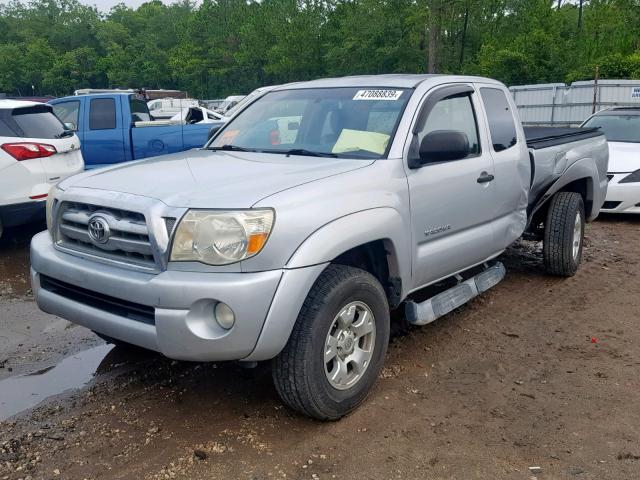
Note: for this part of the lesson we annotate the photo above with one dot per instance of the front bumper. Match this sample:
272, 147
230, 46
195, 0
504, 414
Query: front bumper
622, 197
182, 325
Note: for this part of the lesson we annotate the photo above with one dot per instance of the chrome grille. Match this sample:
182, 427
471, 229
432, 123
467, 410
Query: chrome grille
127, 239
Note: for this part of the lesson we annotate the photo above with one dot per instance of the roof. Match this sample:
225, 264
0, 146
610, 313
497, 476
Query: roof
17, 104
91, 95
620, 111
392, 80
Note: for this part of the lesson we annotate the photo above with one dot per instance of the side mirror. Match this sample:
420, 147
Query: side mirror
70, 126
443, 146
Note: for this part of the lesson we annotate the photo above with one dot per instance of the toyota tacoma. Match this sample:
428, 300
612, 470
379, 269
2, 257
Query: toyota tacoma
315, 211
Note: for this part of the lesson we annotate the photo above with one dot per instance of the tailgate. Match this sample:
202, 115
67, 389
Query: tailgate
66, 162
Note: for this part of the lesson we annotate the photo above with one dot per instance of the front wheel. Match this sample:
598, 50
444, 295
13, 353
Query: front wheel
564, 234
337, 347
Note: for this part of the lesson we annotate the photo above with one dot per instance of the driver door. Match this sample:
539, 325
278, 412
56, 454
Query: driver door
452, 202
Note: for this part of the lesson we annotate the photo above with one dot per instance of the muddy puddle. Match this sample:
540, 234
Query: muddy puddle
23, 392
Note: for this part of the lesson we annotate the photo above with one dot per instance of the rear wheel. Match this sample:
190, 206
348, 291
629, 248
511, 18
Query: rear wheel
336, 350
564, 234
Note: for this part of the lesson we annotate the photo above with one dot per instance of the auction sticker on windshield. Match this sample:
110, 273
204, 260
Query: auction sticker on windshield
377, 95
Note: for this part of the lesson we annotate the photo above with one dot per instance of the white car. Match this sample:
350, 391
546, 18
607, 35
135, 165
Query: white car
622, 129
165, 108
229, 102
36, 152
257, 93
197, 115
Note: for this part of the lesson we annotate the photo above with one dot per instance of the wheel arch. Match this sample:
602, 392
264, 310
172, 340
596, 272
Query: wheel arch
380, 259
381, 248
582, 186
582, 178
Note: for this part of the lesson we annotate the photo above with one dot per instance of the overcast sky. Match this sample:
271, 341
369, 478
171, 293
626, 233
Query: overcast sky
105, 5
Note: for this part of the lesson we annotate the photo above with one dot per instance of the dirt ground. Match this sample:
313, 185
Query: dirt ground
539, 372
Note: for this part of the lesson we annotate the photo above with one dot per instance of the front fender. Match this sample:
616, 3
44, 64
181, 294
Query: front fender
350, 231
312, 257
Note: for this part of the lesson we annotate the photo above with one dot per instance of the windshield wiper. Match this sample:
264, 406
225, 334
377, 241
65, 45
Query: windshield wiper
65, 134
232, 148
307, 153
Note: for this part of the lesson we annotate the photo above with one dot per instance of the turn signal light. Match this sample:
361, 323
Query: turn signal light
28, 150
256, 242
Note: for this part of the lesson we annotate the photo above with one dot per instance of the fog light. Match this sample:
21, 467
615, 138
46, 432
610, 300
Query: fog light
224, 316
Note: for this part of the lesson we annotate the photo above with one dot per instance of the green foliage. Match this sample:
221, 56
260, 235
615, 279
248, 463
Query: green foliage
511, 66
214, 48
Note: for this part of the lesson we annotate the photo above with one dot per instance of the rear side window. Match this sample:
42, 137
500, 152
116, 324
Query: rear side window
501, 123
5, 124
102, 114
68, 112
31, 122
139, 110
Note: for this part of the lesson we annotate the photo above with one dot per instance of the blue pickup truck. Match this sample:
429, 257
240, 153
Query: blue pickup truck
117, 127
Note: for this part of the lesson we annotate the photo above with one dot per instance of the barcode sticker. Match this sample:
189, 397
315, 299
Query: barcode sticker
378, 95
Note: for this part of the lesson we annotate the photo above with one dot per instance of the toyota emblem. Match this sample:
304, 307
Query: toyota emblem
99, 230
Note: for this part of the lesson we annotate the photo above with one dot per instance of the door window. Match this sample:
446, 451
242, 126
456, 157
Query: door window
68, 112
457, 114
139, 110
501, 124
102, 114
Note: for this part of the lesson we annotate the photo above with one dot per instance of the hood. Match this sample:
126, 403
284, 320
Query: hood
208, 179
624, 157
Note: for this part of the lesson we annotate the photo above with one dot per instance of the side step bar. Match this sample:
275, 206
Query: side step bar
447, 301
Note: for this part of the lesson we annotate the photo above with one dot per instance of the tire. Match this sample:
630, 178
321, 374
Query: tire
564, 234
301, 373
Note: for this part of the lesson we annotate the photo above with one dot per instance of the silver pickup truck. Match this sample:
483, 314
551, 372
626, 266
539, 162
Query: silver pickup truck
310, 215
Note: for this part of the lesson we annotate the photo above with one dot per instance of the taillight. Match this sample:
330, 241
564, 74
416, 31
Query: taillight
28, 150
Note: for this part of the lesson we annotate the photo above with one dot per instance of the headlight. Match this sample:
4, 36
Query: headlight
49, 207
632, 178
221, 237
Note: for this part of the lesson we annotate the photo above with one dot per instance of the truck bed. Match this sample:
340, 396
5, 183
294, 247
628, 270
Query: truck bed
544, 137
553, 150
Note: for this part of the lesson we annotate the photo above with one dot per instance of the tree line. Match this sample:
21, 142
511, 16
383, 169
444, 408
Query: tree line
214, 48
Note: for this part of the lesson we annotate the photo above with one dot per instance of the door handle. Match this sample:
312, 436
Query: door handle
485, 177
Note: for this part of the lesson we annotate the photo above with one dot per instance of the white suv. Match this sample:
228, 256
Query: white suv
36, 152
622, 128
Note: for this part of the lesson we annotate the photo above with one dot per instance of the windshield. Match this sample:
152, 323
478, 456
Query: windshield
617, 128
336, 122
